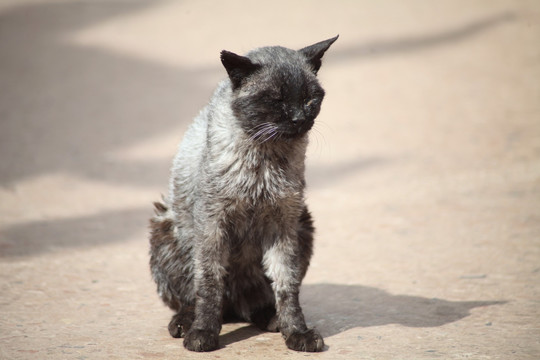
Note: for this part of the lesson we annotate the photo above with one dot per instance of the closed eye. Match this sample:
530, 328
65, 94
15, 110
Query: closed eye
311, 102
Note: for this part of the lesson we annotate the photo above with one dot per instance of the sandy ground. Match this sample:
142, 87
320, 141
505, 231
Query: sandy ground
423, 173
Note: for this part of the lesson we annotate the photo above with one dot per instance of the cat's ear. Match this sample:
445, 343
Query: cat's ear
238, 67
315, 52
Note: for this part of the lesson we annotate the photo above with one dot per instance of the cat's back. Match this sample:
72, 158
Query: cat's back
194, 145
189, 152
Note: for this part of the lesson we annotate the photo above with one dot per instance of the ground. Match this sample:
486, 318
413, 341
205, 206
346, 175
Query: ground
423, 173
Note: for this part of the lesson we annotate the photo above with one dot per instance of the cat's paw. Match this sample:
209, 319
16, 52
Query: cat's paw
180, 325
201, 340
309, 340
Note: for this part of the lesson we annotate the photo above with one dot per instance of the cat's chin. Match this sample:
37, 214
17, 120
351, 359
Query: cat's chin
293, 136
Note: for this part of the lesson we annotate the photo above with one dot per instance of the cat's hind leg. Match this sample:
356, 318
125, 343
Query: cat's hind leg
254, 300
265, 318
181, 322
170, 263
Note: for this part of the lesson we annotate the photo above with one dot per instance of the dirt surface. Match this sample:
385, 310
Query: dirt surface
423, 173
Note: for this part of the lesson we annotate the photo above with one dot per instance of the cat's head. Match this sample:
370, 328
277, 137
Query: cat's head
276, 94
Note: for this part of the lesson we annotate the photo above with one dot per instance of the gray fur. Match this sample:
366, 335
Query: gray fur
234, 237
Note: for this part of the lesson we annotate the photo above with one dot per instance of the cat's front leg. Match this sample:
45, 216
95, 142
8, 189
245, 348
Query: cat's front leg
210, 262
282, 266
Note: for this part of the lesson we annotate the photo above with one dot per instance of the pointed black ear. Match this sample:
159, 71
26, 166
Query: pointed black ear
238, 67
315, 52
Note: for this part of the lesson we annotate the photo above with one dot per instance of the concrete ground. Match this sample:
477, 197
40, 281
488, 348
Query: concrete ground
423, 173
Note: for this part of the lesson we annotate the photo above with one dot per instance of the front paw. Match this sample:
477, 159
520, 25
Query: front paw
309, 340
201, 340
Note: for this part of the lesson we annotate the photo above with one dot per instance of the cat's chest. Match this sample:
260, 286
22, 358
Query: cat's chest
259, 178
250, 225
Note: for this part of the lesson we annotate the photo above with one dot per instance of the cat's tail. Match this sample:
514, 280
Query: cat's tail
162, 248
161, 226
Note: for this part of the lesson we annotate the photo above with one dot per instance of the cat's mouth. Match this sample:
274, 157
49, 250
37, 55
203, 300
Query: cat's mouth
298, 129
270, 132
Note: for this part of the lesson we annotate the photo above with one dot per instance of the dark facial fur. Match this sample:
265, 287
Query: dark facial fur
281, 99
234, 237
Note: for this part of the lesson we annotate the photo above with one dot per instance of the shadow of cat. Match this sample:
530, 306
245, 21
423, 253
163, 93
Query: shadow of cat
334, 308
239, 334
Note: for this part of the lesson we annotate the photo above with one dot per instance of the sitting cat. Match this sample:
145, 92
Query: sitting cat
233, 239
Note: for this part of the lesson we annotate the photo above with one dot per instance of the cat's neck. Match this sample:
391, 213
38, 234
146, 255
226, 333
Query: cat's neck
292, 149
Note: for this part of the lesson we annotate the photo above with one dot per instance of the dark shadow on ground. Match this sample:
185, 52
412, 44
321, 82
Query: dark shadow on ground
239, 334
66, 107
334, 308
400, 45
40, 237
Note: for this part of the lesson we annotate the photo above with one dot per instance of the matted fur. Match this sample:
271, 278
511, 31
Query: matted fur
234, 237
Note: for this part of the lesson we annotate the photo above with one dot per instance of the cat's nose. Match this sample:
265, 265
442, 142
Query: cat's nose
298, 116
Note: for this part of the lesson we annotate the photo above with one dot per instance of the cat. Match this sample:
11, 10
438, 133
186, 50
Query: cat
234, 237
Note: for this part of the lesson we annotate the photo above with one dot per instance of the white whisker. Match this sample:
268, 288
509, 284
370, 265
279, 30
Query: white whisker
259, 129
272, 134
319, 147
263, 132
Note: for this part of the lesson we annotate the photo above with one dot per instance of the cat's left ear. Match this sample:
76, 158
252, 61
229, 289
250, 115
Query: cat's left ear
238, 67
315, 52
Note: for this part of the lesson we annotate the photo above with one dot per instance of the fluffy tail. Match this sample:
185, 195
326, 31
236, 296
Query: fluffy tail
161, 227
164, 256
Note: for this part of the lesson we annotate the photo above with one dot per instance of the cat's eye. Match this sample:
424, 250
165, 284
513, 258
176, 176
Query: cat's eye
310, 102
